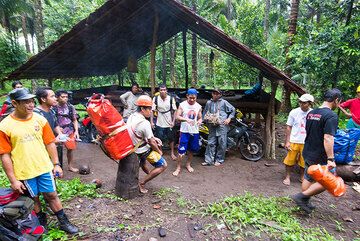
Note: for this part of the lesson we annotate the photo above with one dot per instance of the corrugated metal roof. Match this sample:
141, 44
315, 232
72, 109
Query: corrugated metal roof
102, 43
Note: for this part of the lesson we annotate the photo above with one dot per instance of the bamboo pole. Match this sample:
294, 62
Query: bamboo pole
153, 52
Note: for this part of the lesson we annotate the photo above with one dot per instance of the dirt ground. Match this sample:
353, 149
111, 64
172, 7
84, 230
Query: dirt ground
99, 219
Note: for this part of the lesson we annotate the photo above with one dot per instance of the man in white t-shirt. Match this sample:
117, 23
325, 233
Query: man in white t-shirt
295, 137
189, 113
165, 107
147, 146
128, 99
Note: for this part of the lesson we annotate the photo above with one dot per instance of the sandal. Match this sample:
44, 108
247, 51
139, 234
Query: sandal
206, 164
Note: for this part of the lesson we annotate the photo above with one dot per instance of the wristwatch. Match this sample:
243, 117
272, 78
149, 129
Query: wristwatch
331, 159
57, 164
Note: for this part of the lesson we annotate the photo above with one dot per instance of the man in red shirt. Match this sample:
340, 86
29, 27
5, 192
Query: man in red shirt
354, 106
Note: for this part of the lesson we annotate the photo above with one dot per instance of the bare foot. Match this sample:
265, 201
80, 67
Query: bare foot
189, 168
173, 156
73, 169
142, 188
176, 172
286, 182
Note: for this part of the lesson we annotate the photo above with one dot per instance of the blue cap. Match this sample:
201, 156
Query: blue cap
192, 91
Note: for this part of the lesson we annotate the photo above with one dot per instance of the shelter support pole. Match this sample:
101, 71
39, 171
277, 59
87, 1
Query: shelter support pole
127, 179
153, 52
50, 83
120, 78
185, 59
270, 124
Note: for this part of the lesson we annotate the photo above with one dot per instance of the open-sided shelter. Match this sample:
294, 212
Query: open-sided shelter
102, 43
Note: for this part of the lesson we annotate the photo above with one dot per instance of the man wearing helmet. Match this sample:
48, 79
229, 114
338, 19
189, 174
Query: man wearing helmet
295, 136
146, 144
354, 106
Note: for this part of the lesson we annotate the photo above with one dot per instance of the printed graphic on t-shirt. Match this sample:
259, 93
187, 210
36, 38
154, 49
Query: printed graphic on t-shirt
315, 117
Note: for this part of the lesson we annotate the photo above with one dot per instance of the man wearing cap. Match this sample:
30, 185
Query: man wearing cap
295, 137
217, 114
354, 106
29, 156
146, 145
189, 113
321, 126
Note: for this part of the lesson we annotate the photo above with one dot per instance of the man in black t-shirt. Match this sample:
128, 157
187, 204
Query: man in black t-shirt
321, 126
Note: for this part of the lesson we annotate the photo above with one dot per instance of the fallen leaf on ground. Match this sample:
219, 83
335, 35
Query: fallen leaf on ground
156, 206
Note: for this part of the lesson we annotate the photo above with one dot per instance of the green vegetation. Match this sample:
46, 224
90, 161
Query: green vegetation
254, 216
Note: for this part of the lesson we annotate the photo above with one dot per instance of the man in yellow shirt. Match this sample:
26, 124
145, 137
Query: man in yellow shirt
26, 142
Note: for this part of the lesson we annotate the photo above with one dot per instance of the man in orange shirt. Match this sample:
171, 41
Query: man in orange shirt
26, 146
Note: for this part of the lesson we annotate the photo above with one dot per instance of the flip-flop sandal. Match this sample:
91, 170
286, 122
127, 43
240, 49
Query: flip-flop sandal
206, 164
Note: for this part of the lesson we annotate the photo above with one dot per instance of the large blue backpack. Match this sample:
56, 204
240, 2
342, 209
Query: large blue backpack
345, 145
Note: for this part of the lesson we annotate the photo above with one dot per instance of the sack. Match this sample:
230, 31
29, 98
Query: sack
115, 141
71, 142
345, 142
212, 118
333, 184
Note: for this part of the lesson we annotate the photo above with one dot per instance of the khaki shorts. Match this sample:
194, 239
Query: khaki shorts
295, 155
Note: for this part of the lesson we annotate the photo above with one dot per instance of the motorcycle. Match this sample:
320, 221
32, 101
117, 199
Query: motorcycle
87, 130
239, 137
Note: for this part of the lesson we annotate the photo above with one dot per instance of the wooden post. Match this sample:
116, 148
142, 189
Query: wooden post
50, 83
153, 52
185, 60
127, 179
270, 124
120, 78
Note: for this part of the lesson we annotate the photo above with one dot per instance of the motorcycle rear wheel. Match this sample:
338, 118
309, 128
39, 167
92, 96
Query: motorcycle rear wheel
254, 150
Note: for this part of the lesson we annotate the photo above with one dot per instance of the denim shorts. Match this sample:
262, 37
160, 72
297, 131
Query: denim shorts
43, 183
308, 177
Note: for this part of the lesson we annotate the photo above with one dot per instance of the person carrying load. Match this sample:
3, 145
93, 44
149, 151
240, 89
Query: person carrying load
146, 145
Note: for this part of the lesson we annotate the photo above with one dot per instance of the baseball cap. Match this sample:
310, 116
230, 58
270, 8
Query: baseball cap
217, 90
306, 98
332, 94
20, 94
192, 91
358, 89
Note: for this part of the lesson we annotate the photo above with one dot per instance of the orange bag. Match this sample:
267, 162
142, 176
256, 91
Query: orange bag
334, 184
71, 142
115, 141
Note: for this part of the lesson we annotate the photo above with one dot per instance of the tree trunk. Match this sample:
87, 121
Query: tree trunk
346, 172
163, 64
266, 19
173, 49
194, 54
270, 125
25, 32
38, 25
127, 179
228, 10
153, 53
286, 106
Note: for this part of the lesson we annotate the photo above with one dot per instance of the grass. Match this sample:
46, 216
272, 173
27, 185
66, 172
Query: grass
267, 216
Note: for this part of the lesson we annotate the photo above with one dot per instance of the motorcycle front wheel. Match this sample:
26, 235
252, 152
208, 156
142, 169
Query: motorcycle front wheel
254, 150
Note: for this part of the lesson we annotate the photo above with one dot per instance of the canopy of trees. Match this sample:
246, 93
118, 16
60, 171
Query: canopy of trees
322, 52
